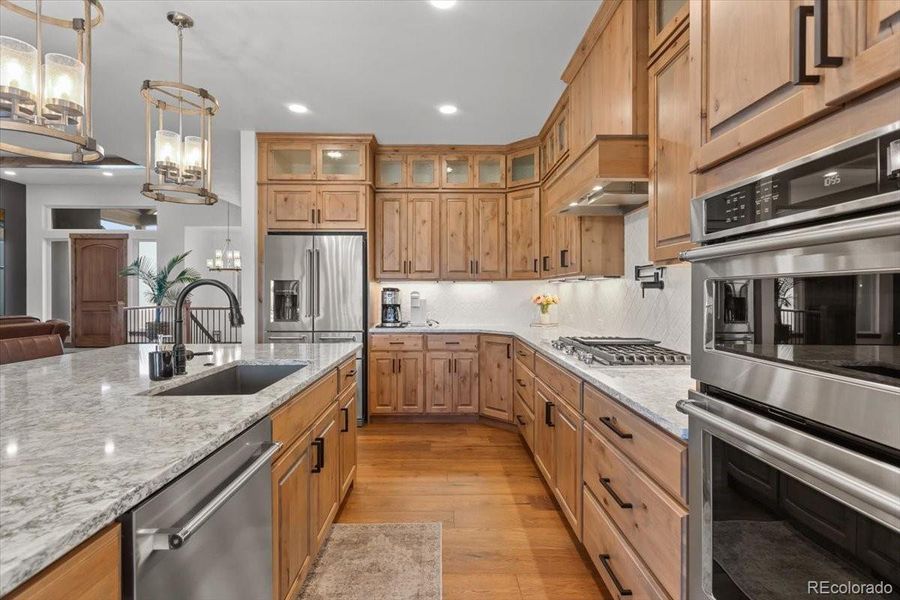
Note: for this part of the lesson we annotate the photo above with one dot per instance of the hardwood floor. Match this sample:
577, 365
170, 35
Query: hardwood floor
503, 537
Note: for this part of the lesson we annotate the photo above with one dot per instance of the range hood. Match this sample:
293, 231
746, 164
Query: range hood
608, 178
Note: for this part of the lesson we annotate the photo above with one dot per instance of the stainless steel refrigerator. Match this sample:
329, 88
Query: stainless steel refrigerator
316, 293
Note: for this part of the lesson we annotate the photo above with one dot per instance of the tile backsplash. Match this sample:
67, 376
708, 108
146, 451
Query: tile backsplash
605, 307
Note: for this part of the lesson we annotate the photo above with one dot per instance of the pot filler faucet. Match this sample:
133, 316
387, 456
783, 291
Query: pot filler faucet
179, 353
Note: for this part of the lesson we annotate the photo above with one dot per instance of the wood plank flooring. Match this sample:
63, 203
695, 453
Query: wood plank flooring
503, 537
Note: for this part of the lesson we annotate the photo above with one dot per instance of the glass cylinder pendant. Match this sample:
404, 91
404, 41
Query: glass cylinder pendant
167, 153
63, 87
18, 71
192, 158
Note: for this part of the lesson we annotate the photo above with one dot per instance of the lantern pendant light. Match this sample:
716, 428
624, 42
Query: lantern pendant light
47, 98
179, 166
226, 258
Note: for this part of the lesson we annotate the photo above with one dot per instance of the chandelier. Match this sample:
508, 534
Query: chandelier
45, 99
179, 167
225, 258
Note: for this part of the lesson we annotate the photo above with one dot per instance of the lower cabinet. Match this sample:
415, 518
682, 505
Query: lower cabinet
524, 421
451, 382
347, 407
291, 532
567, 427
324, 490
396, 383
496, 369
544, 449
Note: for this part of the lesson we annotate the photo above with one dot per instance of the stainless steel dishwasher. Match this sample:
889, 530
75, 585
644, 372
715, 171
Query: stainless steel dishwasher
208, 534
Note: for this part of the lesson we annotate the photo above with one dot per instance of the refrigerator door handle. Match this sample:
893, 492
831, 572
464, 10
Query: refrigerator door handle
309, 262
318, 290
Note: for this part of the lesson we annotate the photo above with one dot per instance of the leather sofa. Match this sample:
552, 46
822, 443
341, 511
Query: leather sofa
22, 327
29, 348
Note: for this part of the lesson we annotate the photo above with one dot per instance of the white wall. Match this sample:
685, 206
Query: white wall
179, 227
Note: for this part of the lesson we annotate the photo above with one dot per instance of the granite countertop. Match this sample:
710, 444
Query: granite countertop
83, 441
650, 391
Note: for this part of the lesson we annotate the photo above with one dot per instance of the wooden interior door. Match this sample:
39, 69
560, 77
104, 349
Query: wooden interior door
495, 377
325, 485
423, 236
382, 383
523, 223
97, 286
290, 518
390, 236
439, 378
465, 382
490, 236
341, 207
457, 237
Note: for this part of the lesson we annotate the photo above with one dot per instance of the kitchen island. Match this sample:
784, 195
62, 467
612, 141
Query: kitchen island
83, 440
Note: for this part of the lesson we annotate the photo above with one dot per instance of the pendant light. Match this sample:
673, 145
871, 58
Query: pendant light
179, 167
225, 258
45, 99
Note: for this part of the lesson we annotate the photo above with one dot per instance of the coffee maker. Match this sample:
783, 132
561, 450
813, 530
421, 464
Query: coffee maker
390, 308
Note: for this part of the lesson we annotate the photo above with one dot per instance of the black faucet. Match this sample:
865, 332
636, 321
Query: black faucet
179, 354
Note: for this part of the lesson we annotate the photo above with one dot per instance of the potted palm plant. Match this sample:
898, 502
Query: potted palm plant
162, 286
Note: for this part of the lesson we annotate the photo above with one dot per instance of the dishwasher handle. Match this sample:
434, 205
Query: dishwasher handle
174, 538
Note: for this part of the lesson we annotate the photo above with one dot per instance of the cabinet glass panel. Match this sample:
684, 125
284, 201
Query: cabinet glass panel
561, 141
522, 168
390, 171
457, 171
292, 162
422, 171
490, 171
343, 161
666, 11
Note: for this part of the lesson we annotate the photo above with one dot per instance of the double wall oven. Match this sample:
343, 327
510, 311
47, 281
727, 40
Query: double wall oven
795, 429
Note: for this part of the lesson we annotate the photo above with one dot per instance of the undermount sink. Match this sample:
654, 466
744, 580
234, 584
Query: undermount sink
238, 380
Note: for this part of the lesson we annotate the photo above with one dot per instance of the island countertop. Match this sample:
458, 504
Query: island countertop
82, 441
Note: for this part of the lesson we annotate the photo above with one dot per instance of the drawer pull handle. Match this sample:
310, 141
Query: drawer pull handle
452, 343
611, 424
350, 373
521, 383
520, 419
396, 343
605, 560
319, 443
522, 354
604, 481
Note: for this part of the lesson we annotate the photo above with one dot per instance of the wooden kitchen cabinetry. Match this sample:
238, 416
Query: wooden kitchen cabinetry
567, 427
348, 433
523, 226
666, 18
523, 167
490, 171
496, 374
473, 236
423, 170
325, 484
391, 171
456, 171
291, 535
298, 207
671, 183
451, 382
407, 236
289, 160
396, 382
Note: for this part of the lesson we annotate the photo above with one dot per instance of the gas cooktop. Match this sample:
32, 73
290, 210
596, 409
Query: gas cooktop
619, 351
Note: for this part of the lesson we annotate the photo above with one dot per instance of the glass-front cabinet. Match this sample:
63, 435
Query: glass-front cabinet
290, 161
490, 171
390, 171
456, 171
341, 161
666, 17
522, 167
422, 170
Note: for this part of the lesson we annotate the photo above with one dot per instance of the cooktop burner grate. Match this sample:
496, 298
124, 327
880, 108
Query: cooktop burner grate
620, 351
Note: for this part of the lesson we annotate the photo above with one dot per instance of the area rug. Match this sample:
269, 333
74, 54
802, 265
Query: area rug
383, 561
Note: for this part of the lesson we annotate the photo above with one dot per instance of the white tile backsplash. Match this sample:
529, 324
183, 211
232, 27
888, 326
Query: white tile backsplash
605, 307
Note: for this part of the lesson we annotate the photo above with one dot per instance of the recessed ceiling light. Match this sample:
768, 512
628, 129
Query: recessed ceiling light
447, 109
443, 4
10, 173
298, 108
107, 174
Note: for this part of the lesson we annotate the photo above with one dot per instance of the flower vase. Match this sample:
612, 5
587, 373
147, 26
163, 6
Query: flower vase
545, 317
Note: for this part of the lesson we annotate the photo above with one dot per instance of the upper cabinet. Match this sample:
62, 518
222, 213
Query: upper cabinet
442, 167
523, 222
287, 161
473, 237
666, 17
301, 207
423, 170
522, 167
750, 88
341, 162
390, 171
456, 171
407, 236
284, 157
490, 171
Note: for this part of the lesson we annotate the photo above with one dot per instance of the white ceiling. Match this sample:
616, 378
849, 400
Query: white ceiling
377, 67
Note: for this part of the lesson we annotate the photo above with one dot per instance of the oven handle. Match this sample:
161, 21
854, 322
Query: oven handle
872, 226
174, 538
842, 481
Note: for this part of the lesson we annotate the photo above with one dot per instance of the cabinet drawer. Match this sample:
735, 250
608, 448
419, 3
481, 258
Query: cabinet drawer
396, 341
298, 415
566, 386
346, 374
648, 517
524, 421
656, 452
452, 342
524, 353
523, 381
618, 565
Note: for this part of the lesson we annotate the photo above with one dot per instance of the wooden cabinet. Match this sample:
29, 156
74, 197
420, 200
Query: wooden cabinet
671, 185
666, 17
291, 533
410, 382
324, 493
548, 263
473, 236
522, 167
523, 223
451, 382
567, 427
490, 236
298, 207
555, 142
490, 171
396, 382
456, 171
544, 448
382, 383
289, 161
391, 171
423, 170
348, 432
407, 234
496, 392
524, 422
336, 161
92, 571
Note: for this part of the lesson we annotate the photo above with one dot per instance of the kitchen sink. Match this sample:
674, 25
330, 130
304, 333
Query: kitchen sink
238, 380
